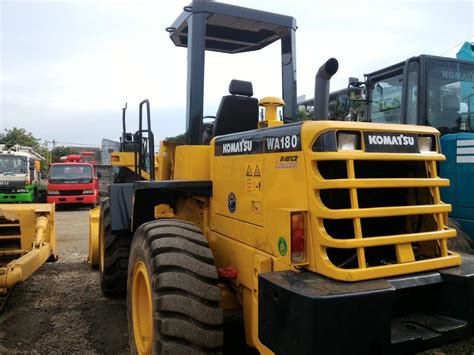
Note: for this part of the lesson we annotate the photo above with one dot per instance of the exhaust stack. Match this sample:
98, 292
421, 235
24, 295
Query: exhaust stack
321, 90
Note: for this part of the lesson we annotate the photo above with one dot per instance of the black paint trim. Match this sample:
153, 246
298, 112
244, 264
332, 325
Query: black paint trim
326, 142
148, 194
390, 142
121, 196
261, 141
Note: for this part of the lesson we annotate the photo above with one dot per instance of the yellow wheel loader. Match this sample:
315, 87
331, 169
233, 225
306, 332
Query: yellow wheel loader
27, 241
330, 236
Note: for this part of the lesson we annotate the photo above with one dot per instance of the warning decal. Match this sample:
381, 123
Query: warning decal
249, 171
257, 171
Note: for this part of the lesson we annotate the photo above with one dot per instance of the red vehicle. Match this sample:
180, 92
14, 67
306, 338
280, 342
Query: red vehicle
73, 182
88, 157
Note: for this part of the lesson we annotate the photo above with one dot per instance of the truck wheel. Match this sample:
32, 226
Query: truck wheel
114, 250
173, 297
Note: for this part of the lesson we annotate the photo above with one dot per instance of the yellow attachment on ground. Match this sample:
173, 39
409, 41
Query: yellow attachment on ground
93, 257
27, 241
270, 104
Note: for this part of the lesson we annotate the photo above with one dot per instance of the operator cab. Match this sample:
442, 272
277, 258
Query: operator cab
231, 29
424, 90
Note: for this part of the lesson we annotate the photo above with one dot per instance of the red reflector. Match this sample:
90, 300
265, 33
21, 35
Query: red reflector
228, 272
297, 237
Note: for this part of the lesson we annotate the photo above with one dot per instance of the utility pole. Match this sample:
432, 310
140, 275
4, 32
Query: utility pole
53, 142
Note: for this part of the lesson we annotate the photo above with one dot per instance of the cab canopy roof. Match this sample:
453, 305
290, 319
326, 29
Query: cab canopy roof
232, 29
212, 26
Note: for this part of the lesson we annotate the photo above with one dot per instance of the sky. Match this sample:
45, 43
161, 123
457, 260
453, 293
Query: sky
67, 67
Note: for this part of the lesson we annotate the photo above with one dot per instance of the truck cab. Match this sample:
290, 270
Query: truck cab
73, 182
19, 175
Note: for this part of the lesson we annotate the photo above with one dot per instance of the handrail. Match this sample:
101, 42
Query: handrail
151, 140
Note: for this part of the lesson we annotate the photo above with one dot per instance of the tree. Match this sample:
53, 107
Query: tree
180, 138
304, 114
20, 136
59, 152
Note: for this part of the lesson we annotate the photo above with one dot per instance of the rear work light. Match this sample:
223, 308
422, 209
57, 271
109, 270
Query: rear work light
297, 237
348, 141
426, 144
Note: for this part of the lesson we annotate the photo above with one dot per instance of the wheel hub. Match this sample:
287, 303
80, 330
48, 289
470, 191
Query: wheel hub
142, 310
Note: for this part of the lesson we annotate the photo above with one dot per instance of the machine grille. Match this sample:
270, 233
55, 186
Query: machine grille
374, 213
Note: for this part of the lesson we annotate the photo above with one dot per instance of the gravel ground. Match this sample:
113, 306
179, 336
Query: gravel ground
60, 309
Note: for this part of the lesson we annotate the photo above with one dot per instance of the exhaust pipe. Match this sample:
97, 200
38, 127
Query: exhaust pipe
124, 127
321, 90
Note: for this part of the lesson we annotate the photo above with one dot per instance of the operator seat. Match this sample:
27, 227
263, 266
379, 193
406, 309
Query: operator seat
450, 116
237, 112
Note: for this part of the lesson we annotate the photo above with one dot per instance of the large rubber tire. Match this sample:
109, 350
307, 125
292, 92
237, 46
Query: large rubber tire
173, 297
114, 250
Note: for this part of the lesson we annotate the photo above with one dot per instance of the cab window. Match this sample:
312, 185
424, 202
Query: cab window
450, 95
386, 98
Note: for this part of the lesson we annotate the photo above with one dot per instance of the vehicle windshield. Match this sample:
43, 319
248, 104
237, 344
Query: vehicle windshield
70, 173
12, 165
450, 95
386, 97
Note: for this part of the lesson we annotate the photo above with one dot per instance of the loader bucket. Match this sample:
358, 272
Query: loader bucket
27, 241
93, 258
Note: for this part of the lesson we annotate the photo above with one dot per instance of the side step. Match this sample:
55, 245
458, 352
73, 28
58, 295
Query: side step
418, 329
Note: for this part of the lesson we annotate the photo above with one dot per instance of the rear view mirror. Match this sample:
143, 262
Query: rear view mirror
99, 174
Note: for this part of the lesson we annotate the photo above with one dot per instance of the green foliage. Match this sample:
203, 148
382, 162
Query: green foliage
304, 114
59, 152
180, 138
20, 136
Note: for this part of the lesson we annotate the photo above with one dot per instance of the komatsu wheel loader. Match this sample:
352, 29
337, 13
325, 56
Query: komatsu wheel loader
330, 236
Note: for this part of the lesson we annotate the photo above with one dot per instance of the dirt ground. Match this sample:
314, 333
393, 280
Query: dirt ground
60, 309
